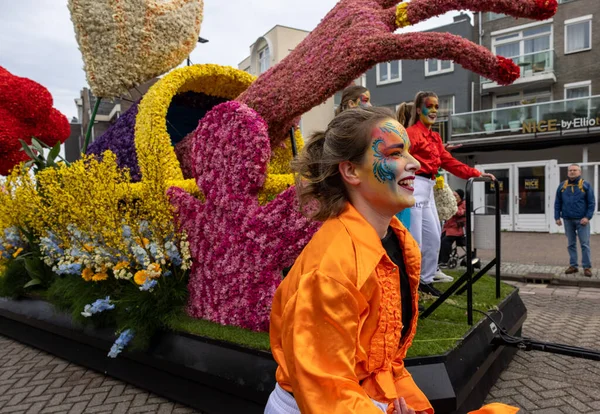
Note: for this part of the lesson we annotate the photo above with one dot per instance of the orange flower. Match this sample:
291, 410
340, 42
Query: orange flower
18, 252
88, 247
98, 277
121, 265
87, 274
140, 277
144, 242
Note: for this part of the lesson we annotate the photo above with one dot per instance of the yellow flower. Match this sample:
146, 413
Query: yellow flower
98, 277
18, 252
402, 15
140, 277
88, 247
121, 265
143, 242
439, 182
87, 274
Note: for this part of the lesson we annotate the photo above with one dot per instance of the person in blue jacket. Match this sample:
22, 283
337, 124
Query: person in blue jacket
575, 204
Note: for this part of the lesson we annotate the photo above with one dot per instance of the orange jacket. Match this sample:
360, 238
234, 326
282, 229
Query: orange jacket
336, 321
427, 147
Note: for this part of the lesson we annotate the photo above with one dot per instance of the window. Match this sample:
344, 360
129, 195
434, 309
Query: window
389, 72
578, 90
494, 16
264, 59
530, 40
446, 105
578, 34
437, 67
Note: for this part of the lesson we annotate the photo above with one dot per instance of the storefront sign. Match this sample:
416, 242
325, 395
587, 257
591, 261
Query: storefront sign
532, 183
555, 124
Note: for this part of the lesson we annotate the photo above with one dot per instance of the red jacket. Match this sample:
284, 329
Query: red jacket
427, 147
455, 226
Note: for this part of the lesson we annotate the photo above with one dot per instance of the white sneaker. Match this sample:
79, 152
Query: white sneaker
441, 277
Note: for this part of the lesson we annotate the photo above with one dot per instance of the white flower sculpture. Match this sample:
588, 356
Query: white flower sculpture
128, 42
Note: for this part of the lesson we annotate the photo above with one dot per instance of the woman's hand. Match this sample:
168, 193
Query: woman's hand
488, 175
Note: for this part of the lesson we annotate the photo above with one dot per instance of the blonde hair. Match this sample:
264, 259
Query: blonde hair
317, 166
403, 113
417, 103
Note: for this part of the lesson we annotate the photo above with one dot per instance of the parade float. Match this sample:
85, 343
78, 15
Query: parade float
164, 244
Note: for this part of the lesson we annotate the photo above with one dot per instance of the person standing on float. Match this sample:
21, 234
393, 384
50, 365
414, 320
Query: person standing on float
354, 96
427, 147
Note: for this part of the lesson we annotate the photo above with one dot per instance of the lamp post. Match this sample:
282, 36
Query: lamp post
200, 40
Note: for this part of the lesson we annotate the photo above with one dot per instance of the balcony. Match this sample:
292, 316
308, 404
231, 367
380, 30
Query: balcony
548, 118
536, 67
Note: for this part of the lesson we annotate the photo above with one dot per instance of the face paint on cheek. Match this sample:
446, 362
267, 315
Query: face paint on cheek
364, 101
381, 169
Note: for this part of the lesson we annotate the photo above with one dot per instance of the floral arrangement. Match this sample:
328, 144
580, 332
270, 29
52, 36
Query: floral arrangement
445, 201
126, 43
100, 238
239, 247
26, 111
304, 78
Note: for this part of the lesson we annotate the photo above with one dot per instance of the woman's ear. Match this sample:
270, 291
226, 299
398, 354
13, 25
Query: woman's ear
349, 173
353, 104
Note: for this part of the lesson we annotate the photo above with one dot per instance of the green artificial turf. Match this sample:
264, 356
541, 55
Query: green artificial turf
437, 334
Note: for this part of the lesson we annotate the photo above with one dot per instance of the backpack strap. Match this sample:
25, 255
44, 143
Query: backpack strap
564, 186
580, 185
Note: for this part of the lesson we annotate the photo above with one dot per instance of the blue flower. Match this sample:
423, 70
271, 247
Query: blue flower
98, 306
121, 342
173, 253
126, 231
148, 285
68, 269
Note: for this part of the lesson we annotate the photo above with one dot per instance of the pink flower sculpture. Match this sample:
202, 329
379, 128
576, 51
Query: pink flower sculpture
357, 34
239, 247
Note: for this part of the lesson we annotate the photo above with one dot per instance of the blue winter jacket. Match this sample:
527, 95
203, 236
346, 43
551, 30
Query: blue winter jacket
572, 203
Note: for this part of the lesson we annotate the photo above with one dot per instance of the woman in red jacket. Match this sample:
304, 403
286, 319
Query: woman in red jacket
427, 147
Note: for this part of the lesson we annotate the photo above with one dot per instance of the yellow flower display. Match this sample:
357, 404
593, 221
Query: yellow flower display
128, 42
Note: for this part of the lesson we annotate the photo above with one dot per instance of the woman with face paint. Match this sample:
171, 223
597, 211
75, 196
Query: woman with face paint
354, 96
343, 318
346, 314
427, 147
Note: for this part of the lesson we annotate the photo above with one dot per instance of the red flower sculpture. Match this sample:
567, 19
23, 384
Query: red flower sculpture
357, 34
26, 111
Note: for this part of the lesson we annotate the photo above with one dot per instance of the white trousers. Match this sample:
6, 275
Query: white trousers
282, 402
425, 227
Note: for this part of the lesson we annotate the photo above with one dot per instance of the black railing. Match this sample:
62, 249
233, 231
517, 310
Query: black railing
469, 277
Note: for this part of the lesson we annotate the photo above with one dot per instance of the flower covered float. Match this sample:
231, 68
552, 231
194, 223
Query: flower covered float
240, 247
26, 111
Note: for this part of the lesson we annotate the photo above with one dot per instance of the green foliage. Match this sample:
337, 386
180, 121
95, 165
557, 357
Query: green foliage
13, 280
35, 151
144, 312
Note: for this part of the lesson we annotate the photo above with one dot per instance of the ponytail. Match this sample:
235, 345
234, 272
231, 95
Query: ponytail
404, 112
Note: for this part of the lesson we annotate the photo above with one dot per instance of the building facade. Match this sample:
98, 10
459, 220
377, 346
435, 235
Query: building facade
528, 133
270, 49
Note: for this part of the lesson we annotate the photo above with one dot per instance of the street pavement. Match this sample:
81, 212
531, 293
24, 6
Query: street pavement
32, 381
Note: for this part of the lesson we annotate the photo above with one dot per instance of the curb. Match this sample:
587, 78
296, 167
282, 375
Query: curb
553, 279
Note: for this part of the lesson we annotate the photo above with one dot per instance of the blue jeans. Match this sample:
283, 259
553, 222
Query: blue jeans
573, 228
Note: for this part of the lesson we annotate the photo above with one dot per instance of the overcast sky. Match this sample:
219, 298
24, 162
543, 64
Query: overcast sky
37, 40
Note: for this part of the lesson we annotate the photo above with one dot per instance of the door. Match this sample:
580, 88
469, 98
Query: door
525, 195
530, 198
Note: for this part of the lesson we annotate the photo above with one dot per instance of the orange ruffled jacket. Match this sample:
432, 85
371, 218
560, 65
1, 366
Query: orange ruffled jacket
336, 322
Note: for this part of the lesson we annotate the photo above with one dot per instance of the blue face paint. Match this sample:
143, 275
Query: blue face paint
381, 169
